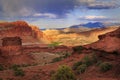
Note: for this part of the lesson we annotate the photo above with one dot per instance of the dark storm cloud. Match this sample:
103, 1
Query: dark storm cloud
100, 7
55, 6
16, 8
29, 7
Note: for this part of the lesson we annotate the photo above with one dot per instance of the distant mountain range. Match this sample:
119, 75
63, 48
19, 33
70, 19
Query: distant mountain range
90, 25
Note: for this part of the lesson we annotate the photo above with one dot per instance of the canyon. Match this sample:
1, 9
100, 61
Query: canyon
39, 54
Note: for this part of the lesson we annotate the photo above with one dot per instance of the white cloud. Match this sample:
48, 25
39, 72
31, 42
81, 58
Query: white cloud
49, 15
95, 17
104, 5
86, 1
99, 4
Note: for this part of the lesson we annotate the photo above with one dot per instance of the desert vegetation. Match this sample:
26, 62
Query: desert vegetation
105, 66
54, 44
17, 70
81, 66
63, 56
78, 49
63, 73
1, 67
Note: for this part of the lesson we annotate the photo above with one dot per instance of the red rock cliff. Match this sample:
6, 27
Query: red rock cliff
109, 42
17, 28
28, 34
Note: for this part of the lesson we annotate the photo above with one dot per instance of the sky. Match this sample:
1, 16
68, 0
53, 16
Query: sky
60, 13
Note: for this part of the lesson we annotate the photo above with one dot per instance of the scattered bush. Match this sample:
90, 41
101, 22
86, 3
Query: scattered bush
94, 58
98, 63
78, 49
56, 59
105, 66
61, 57
19, 72
25, 65
15, 67
54, 44
63, 73
66, 55
87, 60
1, 67
75, 65
81, 68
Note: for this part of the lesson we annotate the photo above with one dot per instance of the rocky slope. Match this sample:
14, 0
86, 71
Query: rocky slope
109, 42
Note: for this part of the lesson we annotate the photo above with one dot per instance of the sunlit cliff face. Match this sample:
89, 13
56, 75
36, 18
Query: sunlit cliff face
73, 39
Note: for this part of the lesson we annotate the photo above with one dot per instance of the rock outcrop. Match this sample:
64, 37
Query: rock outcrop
11, 46
109, 42
11, 52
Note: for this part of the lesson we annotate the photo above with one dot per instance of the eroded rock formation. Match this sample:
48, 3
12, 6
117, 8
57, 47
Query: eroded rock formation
28, 33
11, 46
109, 42
11, 52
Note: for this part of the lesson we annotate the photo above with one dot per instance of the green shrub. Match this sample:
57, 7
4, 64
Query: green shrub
1, 67
94, 58
54, 44
81, 68
61, 57
78, 49
15, 67
25, 65
105, 66
63, 73
19, 72
75, 65
98, 63
87, 60
66, 55
56, 59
